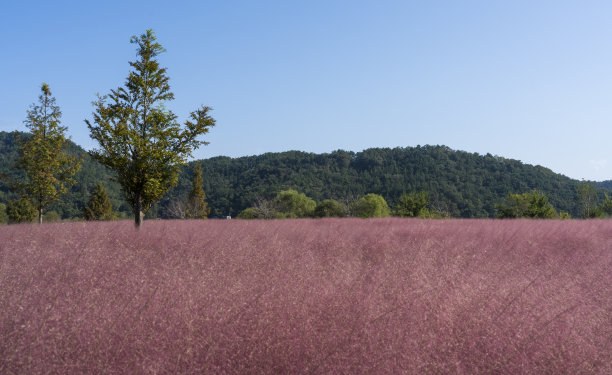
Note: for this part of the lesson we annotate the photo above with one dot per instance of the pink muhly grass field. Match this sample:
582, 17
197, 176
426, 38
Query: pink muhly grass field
331, 296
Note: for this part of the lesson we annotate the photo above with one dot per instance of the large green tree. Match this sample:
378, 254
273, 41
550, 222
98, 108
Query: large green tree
139, 138
196, 206
49, 169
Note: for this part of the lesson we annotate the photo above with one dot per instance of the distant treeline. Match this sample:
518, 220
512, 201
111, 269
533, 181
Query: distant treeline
459, 183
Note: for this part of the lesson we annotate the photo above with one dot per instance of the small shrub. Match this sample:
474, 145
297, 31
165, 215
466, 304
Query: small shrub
21, 211
330, 208
249, 213
51, 217
564, 215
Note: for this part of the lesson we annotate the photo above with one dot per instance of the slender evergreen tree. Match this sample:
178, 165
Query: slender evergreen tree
48, 167
139, 138
99, 206
196, 207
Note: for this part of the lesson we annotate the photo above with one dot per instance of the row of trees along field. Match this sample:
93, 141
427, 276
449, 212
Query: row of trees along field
140, 141
292, 204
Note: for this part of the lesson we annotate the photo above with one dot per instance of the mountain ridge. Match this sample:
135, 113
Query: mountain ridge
462, 183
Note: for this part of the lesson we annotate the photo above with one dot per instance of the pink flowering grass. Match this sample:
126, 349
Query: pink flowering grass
332, 296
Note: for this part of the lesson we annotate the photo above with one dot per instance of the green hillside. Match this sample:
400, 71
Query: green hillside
604, 184
464, 184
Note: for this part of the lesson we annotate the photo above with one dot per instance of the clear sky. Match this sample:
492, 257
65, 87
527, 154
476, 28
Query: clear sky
528, 80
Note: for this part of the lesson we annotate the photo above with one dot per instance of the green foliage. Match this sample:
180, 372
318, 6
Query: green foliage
533, 204
139, 138
330, 208
603, 210
99, 206
291, 204
412, 204
20, 211
3, 215
587, 198
514, 207
606, 206
196, 207
48, 168
52, 217
249, 213
285, 205
371, 205
460, 183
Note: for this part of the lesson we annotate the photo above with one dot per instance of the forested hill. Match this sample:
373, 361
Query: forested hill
604, 184
464, 184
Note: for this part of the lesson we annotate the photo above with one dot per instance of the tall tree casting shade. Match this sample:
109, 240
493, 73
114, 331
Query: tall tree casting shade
139, 138
48, 167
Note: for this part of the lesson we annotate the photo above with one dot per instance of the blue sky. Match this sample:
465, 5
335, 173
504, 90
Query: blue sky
528, 80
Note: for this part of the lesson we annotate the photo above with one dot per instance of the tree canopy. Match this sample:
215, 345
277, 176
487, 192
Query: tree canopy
139, 139
20, 211
330, 208
371, 205
412, 204
532, 204
291, 204
99, 206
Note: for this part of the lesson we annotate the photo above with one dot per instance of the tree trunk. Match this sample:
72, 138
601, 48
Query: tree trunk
138, 215
40, 216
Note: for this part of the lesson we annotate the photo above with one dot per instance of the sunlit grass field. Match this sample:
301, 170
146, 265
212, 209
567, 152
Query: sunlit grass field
330, 296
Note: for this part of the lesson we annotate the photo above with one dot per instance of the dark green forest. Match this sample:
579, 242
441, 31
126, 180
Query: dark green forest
461, 183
